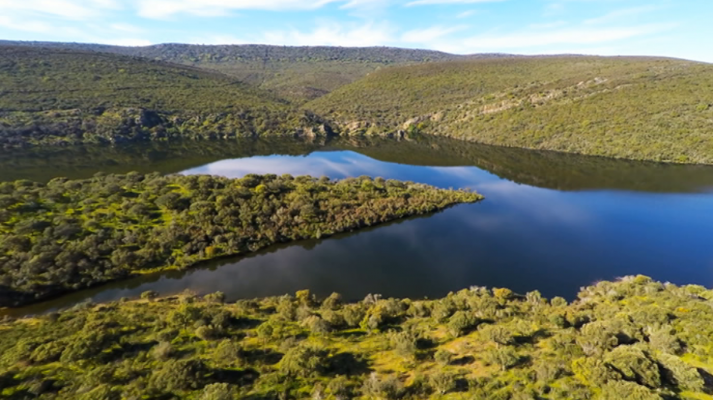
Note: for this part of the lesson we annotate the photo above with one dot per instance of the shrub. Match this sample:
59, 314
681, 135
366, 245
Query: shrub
634, 365
443, 357
219, 391
304, 360
442, 382
207, 332
217, 297
162, 351
178, 375
460, 322
386, 388
404, 343
678, 373
317, 325
504, 357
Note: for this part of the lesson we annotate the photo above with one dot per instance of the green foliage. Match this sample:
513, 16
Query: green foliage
460, 323
218, 391
303, 361
65, 96
141, 349
626, 107
176, 375
71, 234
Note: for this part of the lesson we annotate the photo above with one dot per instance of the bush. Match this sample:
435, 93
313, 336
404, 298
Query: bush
162, 351
219, 391
303, 361
503, 357
443, 357
317, 325
461, 322
386, 388
678, 373
634, 365
178, 375
442, 382
404, 344
207, 332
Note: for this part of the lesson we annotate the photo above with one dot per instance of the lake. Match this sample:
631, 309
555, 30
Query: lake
550, 222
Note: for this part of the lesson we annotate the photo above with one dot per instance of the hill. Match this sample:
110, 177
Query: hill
295, 73
632, 339
623, 107
67, 96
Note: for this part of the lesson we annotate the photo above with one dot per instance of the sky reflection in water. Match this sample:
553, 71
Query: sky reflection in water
522, 237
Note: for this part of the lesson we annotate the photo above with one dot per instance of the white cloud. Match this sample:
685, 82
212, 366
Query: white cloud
334, 34
619, 14
534, 39
167, 8
429, 35
466, 14
431, 2
77, 9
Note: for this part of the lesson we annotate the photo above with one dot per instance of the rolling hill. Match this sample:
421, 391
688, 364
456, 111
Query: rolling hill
299, 74
622, 107
50, 96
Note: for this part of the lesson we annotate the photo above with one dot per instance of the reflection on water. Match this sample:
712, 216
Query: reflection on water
523, 237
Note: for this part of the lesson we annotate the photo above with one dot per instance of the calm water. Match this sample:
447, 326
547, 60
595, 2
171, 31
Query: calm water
550, 222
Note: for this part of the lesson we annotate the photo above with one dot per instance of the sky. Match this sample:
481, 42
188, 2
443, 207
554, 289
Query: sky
674, 28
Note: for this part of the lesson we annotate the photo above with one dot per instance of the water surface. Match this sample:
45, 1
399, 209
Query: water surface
550, 222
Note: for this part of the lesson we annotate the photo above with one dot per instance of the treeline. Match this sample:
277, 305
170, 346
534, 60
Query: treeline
622, 107
632, 339
299, 74
61, 96
71, 234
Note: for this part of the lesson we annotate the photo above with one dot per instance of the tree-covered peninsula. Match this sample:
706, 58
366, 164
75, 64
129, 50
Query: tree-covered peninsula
633, 339
71, 234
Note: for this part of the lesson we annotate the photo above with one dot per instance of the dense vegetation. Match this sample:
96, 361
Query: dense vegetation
295, 73
633, 339
626, 107
62, 96
71, 234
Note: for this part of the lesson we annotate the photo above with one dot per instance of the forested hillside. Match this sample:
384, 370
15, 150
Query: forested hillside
71, 234
635, 339
68, 96
625, 107
295, 73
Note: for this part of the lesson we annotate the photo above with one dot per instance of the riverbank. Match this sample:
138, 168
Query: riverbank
632, 338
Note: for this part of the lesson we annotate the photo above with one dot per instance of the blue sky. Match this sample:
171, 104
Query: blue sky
675, 28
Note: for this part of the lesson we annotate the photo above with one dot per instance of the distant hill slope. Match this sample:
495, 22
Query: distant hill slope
295, 73
624, 107
50, 96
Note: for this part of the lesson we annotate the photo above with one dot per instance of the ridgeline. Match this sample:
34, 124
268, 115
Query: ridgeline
299, 74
